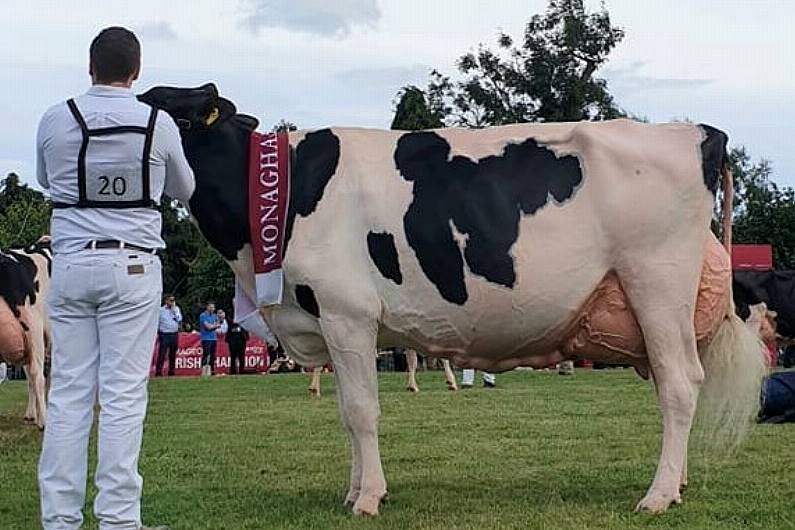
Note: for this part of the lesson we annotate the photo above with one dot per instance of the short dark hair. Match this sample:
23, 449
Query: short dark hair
115, 55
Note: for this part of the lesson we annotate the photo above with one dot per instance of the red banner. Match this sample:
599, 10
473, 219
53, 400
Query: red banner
268, 190
189, 356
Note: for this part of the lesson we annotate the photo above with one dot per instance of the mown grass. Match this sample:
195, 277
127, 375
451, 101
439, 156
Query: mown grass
540, 451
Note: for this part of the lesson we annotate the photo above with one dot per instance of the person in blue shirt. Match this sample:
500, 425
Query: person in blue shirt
208, 326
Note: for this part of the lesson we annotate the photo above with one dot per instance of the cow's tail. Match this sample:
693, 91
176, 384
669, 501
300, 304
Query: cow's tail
734, 363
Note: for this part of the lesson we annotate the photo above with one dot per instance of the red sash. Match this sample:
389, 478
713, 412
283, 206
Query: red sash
268, 193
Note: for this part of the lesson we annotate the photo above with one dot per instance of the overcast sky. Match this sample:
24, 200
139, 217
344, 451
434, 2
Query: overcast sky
340, 62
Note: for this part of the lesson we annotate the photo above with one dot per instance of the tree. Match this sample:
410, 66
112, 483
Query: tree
284, 126
413, 112
763, 211
24, 213
549, 77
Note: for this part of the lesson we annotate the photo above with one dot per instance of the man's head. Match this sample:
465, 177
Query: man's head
210, 307
169, 300
115, 57
221, 314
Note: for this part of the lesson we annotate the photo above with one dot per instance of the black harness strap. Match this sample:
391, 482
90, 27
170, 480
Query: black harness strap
150, 133
81, 157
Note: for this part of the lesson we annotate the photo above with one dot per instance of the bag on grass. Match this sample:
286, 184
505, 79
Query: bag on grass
778, 398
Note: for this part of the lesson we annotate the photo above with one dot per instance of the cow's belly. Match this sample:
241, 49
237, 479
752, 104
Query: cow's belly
12, 336
501, 327
556, 324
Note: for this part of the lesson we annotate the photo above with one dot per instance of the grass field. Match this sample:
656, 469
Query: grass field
540, 451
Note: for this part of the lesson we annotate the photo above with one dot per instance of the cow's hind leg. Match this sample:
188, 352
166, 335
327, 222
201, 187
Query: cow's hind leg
411, 375
314, 382
663, 301
450, 375
351, 344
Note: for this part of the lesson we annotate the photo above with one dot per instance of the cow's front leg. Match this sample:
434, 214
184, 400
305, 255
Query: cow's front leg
351, 344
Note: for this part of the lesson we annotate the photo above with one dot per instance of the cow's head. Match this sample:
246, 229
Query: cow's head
193, 109
216, 143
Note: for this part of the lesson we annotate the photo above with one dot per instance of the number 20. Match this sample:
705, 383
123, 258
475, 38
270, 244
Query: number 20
118, 186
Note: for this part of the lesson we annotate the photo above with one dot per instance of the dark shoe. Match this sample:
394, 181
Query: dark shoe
466, 387
155, 528
488, 384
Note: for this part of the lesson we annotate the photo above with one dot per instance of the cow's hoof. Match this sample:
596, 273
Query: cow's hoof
413, 389
655, 502
314, 392
452, 387
351, 498
367, 505
29, 420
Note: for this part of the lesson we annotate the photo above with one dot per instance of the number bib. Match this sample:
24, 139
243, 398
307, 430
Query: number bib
115, 186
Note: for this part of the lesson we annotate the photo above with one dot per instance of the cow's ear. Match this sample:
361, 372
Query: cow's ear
222, 110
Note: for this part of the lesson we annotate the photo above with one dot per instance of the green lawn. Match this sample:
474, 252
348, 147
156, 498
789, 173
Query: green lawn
540, 451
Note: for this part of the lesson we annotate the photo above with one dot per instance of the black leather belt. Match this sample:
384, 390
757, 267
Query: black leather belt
113, 243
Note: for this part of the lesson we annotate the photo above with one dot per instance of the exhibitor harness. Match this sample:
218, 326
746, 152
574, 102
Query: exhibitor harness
117, 181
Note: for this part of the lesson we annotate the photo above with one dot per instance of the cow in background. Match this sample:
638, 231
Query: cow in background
776, 289
493, 248
24, 327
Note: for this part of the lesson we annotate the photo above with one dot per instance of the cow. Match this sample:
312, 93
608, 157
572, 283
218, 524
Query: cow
495, 248
776, 289
24, 327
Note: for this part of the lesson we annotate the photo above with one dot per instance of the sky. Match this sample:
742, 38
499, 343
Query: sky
340, 62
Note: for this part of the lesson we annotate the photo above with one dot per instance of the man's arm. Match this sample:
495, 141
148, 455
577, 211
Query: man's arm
177, 314
42, 134
180, 182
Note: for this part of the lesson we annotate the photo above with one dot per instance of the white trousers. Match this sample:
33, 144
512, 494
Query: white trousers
103, 312
3, 372
468, 377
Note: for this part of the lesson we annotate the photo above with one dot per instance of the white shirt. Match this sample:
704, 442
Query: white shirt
57, 145
170, 318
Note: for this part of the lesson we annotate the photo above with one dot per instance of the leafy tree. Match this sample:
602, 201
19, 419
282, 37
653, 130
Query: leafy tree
549, 76
413, 111
763, 211
24, 213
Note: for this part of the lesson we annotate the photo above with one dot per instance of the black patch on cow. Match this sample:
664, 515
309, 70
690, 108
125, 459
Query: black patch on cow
774, 288
17, 280
482, 198
306, 299
384, 254
713, 156
314, 161
219, 158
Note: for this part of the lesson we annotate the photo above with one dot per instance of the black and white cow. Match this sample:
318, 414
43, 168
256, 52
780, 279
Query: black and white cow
24, 327
491, 248
776, 289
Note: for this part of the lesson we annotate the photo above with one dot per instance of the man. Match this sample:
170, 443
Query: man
208, 329
468, 379
236, 338
168, 335
3, 372
106, 159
